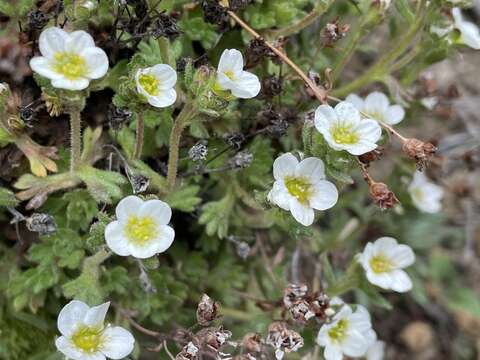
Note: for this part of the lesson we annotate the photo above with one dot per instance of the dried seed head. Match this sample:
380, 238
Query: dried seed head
215, 338
43, 224
165, 26
255, 52
283, 339
242, 159
243, 249
271, 86
181, 64
118, 116
26, 114
371, 156
139, 183
320, 305
252, 343
235, 140
198, 152
236, 5
207, 310
333, 32
382, 195
189, 352
301, 312
37, 19
214, 13
419, 151
294, 293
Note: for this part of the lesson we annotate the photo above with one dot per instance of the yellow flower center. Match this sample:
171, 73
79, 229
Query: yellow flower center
140, 230
300, 188
344, 134
417, 193
339, 331
88, 338
380, 264
70, 65
229, 74
149, 83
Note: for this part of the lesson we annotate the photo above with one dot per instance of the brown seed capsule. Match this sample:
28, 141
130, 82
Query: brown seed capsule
294, 293
371, 156
319, 305
252, 343
207, 310
382, 195
189, 352
300, 312
419, 151
283, 339
215, 338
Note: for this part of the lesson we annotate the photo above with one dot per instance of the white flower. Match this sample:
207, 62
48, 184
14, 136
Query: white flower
377, 106
3, 87
376, 351
383, 262
141, 228
344, 129
426, 196
349, 333
69, 60
85, 337
301, 187
469, 32
157, 84
230, 76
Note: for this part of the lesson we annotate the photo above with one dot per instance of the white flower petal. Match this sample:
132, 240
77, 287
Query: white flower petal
165, 74
376, 102
95, 316
324, 116
284, 165
129, 205
376, 351
360, 148
360, 319
369, 130
67, 348
70, 84
225, 82
146, 250
77, 41
383, 280
166, 237
303, 214
118, 342
51, 41
246, 86
356, 100
347, 112
71, 316
394, 114
401, 281
355, 345
279, 195
332, 352
325, 195
231, 60
312, 168
165, 98
384, 244
97, 62
402, 255
470, 35
159, 210
115, 238
42, 66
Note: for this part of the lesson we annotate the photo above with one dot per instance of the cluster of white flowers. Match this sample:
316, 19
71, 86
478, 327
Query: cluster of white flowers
85, 336
426, 196
469, 32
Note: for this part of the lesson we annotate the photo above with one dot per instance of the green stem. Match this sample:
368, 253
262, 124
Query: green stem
164, 46
75, 140
341, 287
301, 24
188, 112
236, 314
381, 67
140, 130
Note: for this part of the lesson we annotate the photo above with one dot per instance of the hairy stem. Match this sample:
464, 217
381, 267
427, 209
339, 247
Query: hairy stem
321, 94
301, 24
140, 130
185, 115
164, 45
75, 140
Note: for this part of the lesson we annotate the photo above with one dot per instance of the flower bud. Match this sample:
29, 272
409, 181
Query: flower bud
207, 310
419, 151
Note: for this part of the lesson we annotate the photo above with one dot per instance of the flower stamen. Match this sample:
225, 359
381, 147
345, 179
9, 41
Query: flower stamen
298, 187
344, 134
140, 230
339, 331
380, 264
70, 65
149, 83
88, 338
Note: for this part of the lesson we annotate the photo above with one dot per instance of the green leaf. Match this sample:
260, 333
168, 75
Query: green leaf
216, 216
7, 198
184, 198
104, 186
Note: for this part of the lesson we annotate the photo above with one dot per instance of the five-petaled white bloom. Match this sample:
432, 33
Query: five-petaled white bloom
349, 333
376, 351
69, 60
377, 106
141, 228
301, 187
85, 336
383, 262
426, 196
344, 129
157, 84
469, 32
230, 76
